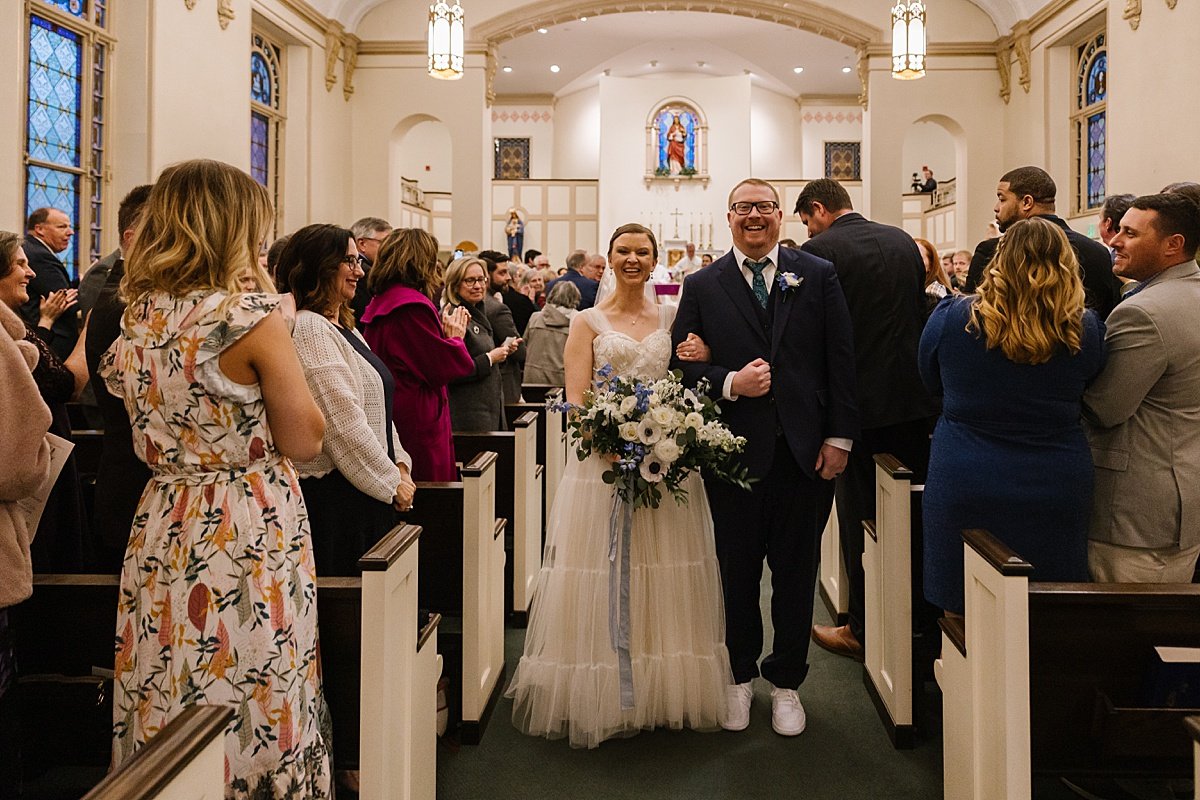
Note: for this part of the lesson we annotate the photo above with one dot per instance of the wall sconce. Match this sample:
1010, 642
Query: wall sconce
908, 40
446, 41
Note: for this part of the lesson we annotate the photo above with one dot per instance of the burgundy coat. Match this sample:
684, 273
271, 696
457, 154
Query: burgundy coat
403, 328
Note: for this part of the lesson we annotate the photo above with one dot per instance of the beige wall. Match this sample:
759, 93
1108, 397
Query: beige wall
12, 116
824, 121
775, 145
577, 135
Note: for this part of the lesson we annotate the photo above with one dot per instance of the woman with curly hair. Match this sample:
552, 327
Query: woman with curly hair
1009, 453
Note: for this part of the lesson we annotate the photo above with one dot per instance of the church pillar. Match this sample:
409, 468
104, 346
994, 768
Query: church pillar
12, 95
960, 92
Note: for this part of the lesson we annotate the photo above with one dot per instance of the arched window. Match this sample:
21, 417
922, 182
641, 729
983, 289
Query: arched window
676, 142
65, 136
1089, 123
267, 117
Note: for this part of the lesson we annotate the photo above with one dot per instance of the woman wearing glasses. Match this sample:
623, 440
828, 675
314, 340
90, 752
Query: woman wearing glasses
362, 472
477, 399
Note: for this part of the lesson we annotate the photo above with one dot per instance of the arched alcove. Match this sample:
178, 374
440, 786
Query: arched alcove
939, 142
676, 141
420, 150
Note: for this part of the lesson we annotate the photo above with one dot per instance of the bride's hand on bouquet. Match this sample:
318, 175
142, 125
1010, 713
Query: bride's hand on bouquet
693, 348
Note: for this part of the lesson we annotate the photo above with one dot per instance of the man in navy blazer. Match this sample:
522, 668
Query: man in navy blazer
782, 362
577, 262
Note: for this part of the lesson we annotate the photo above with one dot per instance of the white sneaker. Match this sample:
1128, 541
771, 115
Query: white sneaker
787, 713
737, 706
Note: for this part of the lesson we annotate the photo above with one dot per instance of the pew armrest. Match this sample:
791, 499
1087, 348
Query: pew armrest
428, 630
869, 527
477, 465
956, 631
892, 466
388, 549
167, 755
501, 524
997, 554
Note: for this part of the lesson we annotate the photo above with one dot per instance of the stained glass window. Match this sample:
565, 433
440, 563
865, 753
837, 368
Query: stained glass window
1090, 123
675, 127
65, 135
511, 159
266, 114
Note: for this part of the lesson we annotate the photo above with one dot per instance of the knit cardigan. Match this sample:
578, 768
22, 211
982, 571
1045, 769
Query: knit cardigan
349, 393
24, 421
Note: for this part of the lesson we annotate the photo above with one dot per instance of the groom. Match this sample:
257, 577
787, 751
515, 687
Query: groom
782, 362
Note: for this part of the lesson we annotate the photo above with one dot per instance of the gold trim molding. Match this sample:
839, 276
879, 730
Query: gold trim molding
1133, 13
225, 13
333, 50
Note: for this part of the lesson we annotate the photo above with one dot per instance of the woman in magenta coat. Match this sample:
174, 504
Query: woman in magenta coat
423, 349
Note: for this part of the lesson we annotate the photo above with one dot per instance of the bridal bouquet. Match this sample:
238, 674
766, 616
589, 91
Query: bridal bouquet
655, 433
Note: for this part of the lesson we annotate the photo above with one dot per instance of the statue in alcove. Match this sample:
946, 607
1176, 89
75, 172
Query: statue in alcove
514, 230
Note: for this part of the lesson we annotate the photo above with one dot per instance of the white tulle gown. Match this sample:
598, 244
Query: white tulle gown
567, 682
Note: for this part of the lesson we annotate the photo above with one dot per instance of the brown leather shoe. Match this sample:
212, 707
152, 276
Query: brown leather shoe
837, 640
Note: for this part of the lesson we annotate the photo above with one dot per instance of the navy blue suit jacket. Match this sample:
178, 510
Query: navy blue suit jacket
810, 350
587, 287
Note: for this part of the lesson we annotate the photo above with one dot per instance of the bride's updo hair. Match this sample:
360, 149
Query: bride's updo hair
633, 227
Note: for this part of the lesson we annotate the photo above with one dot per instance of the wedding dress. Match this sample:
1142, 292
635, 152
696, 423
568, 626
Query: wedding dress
568, 681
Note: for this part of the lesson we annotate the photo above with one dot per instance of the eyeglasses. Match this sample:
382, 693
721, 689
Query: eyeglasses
763, 206
352, 261
370, 239
472, 281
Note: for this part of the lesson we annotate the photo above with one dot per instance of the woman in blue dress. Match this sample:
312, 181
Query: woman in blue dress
1009, 453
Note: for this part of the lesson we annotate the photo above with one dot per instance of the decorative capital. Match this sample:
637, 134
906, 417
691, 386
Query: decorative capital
1004, 67
1171, 4
224, 13
189, 4
1133, 13
333, 49
349, 62
493, 63
1021, 48
864, 73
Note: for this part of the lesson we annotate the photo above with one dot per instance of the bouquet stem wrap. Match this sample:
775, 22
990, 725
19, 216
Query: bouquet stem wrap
620, 528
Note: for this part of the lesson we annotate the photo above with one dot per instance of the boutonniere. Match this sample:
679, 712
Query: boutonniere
788, 282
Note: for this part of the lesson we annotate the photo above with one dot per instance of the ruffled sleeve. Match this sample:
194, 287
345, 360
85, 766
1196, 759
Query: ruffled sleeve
219, 322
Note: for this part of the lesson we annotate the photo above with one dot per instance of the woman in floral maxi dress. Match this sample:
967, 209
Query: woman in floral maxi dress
218, 592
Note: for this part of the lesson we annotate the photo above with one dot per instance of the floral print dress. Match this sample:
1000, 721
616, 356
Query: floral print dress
218, 592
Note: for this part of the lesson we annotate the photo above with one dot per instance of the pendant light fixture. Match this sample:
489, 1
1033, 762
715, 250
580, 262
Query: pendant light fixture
446, 41
908, 40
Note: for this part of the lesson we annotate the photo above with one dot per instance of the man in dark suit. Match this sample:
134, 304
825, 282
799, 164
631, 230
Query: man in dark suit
782, 364
369, 233
883, 276
1029, 192
509, 316
576, 263
49, 233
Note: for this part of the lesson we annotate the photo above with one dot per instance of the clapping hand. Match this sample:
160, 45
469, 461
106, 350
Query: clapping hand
693, 348
454, 321
55, 304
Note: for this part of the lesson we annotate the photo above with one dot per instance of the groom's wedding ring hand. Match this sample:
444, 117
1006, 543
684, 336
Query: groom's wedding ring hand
693, 348
752, 380
831, 461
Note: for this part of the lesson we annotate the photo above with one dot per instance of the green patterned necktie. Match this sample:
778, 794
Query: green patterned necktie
758, 284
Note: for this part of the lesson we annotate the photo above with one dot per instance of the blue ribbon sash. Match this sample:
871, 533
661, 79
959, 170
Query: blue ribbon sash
620, 527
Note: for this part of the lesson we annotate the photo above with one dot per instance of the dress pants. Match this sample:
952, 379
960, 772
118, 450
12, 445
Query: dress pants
907, 441
780, 519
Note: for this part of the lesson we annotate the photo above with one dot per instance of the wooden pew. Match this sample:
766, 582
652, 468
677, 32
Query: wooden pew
462, 578
185, 761
835, 591
559, 449
518, 499
551, 448
1045, 677
369, 637
1193, 726
888, 607
88, 446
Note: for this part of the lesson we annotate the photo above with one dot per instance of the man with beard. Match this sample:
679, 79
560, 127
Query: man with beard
1029, 192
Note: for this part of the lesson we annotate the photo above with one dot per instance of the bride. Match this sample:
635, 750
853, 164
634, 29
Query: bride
568, 682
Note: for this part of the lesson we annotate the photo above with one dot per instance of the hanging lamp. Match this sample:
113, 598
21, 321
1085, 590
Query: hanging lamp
446, 41
908, 40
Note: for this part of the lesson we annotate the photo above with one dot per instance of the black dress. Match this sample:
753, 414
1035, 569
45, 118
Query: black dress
345, 522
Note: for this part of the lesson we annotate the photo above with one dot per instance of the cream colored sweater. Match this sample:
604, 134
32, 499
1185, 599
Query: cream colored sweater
350, 394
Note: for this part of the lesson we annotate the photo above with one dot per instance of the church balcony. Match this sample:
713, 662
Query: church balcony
932, 215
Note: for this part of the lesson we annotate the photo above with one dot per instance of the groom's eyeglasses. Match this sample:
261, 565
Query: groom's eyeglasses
763, 206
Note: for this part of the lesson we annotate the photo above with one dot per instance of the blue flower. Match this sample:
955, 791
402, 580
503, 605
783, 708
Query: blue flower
788, 282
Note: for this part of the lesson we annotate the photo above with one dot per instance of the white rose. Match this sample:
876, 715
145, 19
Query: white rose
694, 420
628, 404
663, 415
667, 450
629, 431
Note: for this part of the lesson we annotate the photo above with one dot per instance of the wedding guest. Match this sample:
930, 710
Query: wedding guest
218, 574
533, 286
48, 234
546, 336
363, 473
24, 422
423, 350
476, 399
273, 254
937, 285
61, 543
1009, 452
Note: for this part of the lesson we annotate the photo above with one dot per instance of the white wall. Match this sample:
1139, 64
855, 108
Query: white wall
13, 47
532, 121
577, 135
776, 149
824, 121
926, 144
425, 154
625, 105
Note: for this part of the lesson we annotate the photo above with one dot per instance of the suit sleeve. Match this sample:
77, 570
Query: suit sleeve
842, 421
1137, 358
983, 254
505, 325
688, 319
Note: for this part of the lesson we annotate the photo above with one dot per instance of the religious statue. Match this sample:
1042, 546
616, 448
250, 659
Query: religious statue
676, 151
514, 229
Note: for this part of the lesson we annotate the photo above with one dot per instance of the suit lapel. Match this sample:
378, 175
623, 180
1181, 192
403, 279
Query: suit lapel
734, 284
783, 304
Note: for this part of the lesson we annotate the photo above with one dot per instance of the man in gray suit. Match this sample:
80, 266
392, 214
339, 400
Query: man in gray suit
1143, 411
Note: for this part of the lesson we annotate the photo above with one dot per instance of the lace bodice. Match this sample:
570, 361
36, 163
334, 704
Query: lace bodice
645, 359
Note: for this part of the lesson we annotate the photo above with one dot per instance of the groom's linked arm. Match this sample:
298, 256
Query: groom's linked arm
842, 420
688, 320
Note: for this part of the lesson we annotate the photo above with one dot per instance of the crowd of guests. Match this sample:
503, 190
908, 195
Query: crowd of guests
268, 411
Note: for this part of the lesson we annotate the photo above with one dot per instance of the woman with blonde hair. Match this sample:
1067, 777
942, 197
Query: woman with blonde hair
1008, 453
218, 592
422, 349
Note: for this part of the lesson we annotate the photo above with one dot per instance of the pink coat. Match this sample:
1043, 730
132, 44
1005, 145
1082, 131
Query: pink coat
403, 328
